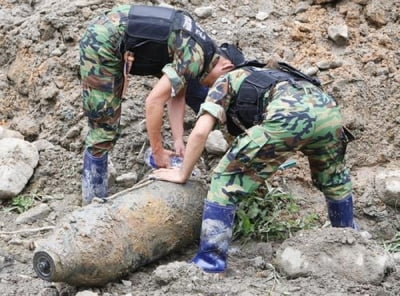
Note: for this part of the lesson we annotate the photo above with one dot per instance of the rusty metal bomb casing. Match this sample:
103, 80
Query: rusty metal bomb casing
103, 242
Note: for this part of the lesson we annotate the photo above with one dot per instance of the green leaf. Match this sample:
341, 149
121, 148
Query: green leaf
270, 213
20, 203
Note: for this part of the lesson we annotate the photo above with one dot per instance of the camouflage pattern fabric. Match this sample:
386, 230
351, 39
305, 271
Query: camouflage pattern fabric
101, 70
301, 118
188, 61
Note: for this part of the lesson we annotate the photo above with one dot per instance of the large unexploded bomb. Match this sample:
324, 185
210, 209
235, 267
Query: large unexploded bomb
102, 242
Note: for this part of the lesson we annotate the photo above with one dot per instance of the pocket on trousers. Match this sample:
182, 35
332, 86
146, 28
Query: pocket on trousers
100, 83
346, 137
247, 145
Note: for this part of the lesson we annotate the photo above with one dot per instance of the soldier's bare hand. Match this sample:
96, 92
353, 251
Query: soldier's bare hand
162, 158
172, 175
179, 148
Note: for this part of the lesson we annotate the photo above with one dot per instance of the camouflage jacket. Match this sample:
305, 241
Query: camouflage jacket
187, 55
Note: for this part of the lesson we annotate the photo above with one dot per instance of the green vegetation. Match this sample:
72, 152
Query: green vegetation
20, 203
393, 245
270, 213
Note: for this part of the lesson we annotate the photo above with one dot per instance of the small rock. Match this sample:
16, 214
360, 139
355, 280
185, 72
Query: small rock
339, 34
33, 214
302, 18
84, 3
57, 52
203, 12
301, 7
126, 283
336, 64
323, 1
375, 14
27, 126
311, 71
76, 146
86, 293
42, 145
216, 143
396, 258
261, 15
224, 20
49, 92
112, 173
49, 292
128, 179
73, 132
6, 260
259, 262
323, 65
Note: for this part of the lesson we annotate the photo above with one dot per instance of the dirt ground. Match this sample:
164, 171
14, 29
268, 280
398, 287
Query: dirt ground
40, 97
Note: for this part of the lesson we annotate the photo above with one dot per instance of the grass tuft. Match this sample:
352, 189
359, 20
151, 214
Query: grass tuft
270, 213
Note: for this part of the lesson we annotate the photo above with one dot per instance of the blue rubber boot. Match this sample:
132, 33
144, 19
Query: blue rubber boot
94, 177
340, 212
216, 235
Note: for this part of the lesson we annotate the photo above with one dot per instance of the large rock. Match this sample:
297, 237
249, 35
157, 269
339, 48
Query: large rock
18, 158
7, 133
387, 186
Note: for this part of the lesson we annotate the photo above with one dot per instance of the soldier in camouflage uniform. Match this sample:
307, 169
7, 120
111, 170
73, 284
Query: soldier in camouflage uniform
140, 40
296, 116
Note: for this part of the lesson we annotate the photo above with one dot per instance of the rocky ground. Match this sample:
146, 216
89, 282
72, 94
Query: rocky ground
351, 45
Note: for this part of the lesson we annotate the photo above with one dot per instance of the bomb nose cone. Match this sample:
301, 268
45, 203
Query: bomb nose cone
44, 266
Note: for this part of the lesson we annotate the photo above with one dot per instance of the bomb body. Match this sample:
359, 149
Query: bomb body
103, 242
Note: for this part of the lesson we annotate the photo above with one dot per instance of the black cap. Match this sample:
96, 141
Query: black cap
232, 53
236, 56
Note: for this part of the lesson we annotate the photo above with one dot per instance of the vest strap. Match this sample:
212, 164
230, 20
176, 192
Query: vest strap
128, 61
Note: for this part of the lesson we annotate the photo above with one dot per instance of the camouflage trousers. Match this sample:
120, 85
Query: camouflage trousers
102, 82
297, 119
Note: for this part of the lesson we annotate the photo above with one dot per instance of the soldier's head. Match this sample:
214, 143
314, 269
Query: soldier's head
226, 58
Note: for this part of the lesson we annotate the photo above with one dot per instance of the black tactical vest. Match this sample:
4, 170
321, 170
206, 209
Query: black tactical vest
247, 107
147, 33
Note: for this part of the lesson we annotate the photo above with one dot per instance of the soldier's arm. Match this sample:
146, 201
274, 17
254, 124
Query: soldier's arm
210, 112
176, 112
196, 143
155, 103
194, 149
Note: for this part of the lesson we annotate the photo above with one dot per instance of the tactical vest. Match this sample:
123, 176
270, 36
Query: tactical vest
247, 107
147, 32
